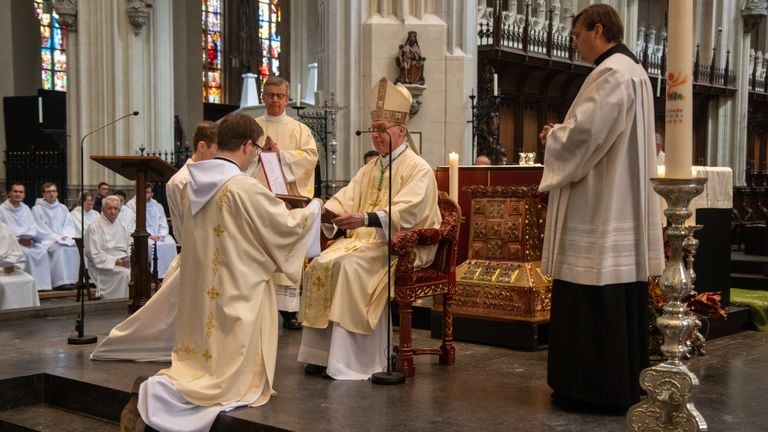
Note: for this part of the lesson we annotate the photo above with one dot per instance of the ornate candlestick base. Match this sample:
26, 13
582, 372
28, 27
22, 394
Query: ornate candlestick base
670, 384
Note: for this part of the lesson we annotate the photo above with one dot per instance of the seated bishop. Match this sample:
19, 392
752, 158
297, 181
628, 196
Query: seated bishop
159, 234
19, 218
55, 223
345, 288
17, 288
107, 252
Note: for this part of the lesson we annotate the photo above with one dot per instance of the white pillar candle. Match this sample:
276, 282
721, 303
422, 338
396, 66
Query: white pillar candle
453, 176
39, 109
679, 107
495, 84
661, 171
298, 94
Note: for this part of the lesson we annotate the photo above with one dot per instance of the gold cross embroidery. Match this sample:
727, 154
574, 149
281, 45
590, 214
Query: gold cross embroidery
223, 198
209, 325
207, 356
216, 261
218, 230
212, 292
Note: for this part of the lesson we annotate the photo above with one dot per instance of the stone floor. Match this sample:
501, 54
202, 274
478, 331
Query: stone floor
489, 388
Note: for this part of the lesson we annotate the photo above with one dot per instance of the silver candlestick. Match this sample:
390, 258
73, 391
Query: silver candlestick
696, 343
670, 384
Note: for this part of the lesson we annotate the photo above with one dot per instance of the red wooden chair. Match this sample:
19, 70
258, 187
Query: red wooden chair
437, 279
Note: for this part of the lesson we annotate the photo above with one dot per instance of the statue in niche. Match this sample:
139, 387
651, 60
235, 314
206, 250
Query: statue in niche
410, 62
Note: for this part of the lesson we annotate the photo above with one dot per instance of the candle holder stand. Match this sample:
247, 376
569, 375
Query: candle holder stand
670, 384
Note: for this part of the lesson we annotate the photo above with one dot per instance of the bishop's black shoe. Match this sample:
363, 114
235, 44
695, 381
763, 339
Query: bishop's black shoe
313, 369
290, 320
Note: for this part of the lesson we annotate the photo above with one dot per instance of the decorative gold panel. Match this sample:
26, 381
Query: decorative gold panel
507, 223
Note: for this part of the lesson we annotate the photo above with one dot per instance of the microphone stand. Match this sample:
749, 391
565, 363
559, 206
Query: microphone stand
389, 377
82, 284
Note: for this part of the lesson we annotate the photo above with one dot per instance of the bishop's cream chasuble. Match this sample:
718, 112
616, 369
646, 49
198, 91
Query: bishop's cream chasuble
347, 283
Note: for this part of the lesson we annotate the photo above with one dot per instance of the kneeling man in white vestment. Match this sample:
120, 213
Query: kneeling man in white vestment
149, 334
108, 253
226, 329
17, 289
345, 288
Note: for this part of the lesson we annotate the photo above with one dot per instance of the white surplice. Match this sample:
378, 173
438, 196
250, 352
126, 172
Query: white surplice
298, 159
91, 216
22, 223
157, 225
346, 286
127, 218
226, 333
595, 234
55, 223
17, 289
105, 242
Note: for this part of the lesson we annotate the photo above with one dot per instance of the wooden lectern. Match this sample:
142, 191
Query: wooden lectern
141, 169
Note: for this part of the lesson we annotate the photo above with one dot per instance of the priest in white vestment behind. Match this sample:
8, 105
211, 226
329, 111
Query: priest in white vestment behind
55, 223
603, 236
345, 288
149, 333
297, 151
226, 332
91, 215
17, 288
159, 234
19, 218
127, 217
107, 252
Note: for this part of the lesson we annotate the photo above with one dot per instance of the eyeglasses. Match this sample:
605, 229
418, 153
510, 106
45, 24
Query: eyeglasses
278, 96
50, 191
380, 130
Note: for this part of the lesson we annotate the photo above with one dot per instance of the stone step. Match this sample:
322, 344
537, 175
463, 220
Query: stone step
43, 417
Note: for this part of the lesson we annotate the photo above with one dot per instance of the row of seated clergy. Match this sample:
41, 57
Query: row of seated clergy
45, 252
17, 288
157, 227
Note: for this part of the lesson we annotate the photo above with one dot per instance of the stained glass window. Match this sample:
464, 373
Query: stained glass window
53, 48
269, 37
211, 51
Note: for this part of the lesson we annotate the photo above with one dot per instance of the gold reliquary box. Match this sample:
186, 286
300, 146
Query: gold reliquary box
501, 290
502, 279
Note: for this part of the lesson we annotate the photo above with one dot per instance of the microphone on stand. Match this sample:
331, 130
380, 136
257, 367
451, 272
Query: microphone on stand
389, 377
82, 284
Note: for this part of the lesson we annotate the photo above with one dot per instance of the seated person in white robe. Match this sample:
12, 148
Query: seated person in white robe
54, 222
227, 325
345, 288
17, 288
19, 218
157, 227
149, 334
127, 216
107, 252
91, 215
